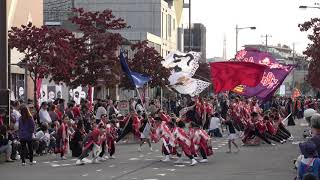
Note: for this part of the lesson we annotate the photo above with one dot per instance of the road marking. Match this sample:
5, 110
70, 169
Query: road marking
84, 175
161, 174
65, 164
55, 165
112, 166
215, 148
219, 146
149, 153
155, 168
179, 165
54, 161
150, 179
149, 159
171, 170
141, 156
47, 162
99, 170
134, 159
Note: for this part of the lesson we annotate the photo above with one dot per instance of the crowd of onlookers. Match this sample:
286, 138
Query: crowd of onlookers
37, 132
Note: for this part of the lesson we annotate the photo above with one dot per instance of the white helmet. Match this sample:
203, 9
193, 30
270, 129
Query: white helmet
309, 112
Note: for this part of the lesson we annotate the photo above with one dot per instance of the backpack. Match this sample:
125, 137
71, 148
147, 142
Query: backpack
312, 169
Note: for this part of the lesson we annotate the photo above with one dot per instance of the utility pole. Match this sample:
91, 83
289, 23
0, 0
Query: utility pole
190, 29
4, 87
293, 59
266, 36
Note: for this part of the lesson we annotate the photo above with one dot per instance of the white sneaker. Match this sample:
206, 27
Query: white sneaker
24, 164
101, 158
33, 162
18, 157
63, 158
204, 161
112, 157
179, 161
151, 149
272, 144
139, 149
166, 159
194, 162
96, 161
79, 162
106, 157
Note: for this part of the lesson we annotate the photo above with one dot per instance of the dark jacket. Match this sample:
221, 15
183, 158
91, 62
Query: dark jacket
26, 129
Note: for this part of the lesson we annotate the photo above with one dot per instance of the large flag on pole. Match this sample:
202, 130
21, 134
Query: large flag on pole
227, 75
272, 78
136, 78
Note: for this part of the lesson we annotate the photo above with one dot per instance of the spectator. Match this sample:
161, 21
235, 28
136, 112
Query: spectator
315, 125
42, 139
16, 113
100, 111
26, 130
214, 126
310, 162
53, 115
44, 114
69, 110
5, 144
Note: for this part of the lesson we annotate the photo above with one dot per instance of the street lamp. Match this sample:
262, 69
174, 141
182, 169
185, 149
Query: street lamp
237, 32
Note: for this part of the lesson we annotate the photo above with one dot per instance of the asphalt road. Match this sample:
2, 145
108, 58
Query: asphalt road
264, 162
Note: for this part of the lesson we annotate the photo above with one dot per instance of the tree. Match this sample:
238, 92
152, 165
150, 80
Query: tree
48, 52
99, 59
147, 60
313, 51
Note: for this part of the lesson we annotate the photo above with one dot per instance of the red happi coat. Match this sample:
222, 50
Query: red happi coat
261, 126
209, 108
192, 135
201, 139
164, 134
93, 137
111, 135
182, 139
164, 117
270, 127
136, 125
235, 112
62, 139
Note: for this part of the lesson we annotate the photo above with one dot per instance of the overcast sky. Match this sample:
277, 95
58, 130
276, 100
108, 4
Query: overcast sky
278, 18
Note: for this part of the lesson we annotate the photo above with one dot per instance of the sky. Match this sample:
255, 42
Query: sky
278, 18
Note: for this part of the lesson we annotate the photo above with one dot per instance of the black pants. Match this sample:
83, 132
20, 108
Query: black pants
189, 156
103, 146
258, 134
203, 153
85, 152
284, 130
112, 149
274, 138
127, 129
165, 151
26, 153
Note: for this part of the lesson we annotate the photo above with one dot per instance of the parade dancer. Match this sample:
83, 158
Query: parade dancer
132, 125
146, 128
111, 132
166, 137
90, 144
62, 138
232, 135
183, 142
201, 140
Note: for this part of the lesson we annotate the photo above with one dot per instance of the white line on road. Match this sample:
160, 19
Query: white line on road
134, 159
55, 165
85, 175
99, 170
161, 174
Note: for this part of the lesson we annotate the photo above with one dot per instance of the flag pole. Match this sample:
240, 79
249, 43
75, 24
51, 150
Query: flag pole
139, 95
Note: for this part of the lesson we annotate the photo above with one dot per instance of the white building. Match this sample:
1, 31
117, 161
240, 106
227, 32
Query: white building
156, 21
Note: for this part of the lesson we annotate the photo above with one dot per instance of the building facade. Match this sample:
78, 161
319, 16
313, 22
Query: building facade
154, 21
198, 40
21, 12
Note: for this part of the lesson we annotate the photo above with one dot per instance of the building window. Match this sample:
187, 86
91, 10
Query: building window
162, 25
169, 25
174, 24
17, 86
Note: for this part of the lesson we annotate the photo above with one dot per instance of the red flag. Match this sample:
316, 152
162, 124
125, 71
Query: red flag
227, 75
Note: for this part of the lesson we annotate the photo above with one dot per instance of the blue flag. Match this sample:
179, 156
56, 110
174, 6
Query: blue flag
136, 78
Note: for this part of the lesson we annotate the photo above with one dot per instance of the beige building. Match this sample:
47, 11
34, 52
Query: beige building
21, 12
